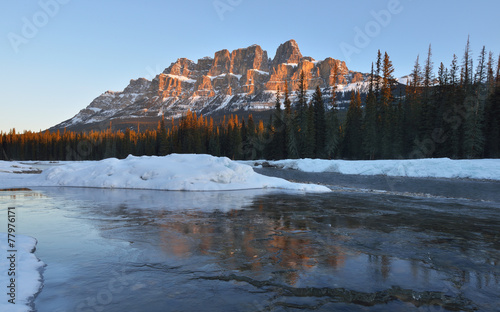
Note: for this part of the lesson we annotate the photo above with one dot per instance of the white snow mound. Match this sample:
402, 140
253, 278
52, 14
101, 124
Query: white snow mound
175, 172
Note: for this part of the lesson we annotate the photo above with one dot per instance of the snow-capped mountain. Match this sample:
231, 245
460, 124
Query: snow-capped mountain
244, 79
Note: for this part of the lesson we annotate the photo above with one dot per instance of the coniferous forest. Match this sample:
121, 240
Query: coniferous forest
452, 112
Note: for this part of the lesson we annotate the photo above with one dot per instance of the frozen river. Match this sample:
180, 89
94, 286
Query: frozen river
349, 250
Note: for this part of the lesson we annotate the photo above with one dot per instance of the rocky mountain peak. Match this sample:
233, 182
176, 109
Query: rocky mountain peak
182, 67
249, 58
221, 63
287, 52
137, 85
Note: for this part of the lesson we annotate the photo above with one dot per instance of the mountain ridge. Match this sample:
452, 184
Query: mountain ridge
243, 79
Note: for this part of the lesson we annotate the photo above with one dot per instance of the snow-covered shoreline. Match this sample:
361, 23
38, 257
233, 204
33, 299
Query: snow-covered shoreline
28, 279
480, 169
175, 172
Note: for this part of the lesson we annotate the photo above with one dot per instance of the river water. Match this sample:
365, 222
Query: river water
349, 250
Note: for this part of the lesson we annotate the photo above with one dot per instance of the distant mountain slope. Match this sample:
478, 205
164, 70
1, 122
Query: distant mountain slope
244, 79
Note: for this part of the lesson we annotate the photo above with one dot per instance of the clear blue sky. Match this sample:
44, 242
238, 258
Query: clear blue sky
55, 59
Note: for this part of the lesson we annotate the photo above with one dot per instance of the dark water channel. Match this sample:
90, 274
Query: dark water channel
126, 250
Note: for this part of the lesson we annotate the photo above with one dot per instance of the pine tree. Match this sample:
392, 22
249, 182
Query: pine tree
162, 138
388, 82
370, 135
251, 126
291, 140
234, 138
452, 124
310, 143
287, 102
490, 76
466, 66
428, 116
492, 116
481, 71
473, 139
377, 74
301, 95
440, 98
412, 109
292, 150
302, 115
319, 123
249, 139
385, 106
332, 123
428, 71
397, 129
353, 138
244, 131
277, 145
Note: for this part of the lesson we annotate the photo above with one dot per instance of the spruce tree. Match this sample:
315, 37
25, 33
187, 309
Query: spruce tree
440, 98
427, 114
453, 125
310, 143
287, 102
472, 136
385, 106
251, 126
473, 133
428, 71
277, 145
481, 71
466, 66
302, 115
234, 135
490, 76
492, 116
370, 134
412, 109
319, 123
474, 123
378, 74
291, 148
352, 130
162, 138
332, 123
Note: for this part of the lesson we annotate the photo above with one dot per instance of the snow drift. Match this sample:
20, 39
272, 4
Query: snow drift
176, 172
487, 169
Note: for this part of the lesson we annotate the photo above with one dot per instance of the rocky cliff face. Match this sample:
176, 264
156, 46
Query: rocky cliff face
242, 79
287, 53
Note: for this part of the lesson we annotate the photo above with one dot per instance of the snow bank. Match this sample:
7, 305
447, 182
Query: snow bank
176, 172
435, 167
28, 278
